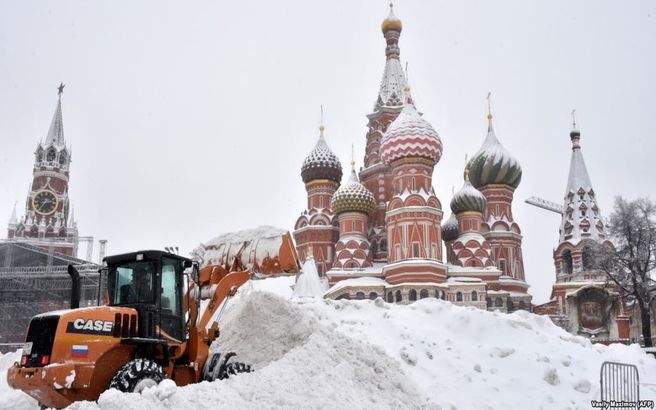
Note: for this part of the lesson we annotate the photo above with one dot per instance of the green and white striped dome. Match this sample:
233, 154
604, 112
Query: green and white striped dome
493, 164
468, 199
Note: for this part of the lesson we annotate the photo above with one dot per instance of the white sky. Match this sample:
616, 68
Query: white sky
192, 119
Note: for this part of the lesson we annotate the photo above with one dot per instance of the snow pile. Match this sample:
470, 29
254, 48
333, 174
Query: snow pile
463, 357
308, 284
371, 354
263, 241
299, 364
10, 398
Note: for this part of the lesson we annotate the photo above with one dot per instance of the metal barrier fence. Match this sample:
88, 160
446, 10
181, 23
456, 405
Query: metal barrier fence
620, 383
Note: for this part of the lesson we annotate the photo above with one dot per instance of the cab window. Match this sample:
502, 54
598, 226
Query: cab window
132, 282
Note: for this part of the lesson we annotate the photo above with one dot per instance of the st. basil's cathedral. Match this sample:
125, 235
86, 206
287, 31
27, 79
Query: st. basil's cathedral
384, 232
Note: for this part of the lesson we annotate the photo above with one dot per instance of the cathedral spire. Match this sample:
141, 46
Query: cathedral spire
56, 132
394, 80
489, 111
581, 216
13, 220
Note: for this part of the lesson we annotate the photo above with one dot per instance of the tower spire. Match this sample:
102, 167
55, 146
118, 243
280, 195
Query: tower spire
321, 125
489, 109
56, 131
391, 86
13, 219
582, 218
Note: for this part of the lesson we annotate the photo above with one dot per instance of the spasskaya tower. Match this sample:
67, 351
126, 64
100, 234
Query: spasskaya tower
48, 220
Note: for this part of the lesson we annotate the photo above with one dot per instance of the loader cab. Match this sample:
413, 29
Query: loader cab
152, 283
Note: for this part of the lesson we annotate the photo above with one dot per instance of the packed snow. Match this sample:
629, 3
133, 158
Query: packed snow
308, 284
325, 354
261, 242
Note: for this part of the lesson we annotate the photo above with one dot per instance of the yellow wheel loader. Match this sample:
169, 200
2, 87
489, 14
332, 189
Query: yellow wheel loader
150, 328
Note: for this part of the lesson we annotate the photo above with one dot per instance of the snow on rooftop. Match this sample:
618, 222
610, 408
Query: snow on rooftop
456, 279
356, 282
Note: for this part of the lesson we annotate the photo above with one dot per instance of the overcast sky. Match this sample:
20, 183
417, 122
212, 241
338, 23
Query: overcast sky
191, 119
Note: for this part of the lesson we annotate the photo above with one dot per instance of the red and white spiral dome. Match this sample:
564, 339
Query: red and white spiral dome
410, 136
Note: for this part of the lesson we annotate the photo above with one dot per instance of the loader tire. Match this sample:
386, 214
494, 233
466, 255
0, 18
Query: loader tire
230, 368
234, 368
137, 375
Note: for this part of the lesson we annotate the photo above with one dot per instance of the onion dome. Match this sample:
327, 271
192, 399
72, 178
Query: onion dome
493, 164
353, 197
321, 163
391, 22
410, 136
450, 229
468, 199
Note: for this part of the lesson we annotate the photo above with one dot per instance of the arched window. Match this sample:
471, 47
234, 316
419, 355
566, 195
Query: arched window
588, 258
343, 296
412, 295
373, 295
522, 304
566, 266
39, 155
423, 294
458, 296
383, 245
489, 302
474, 296
511, 305
50, 156
390, 297
398, 296
359, 295
374, 247
498, 302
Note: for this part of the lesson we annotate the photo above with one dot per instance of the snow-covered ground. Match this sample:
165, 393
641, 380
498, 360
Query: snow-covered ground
327, 354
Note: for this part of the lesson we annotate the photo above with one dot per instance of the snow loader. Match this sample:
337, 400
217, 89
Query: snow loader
152, 326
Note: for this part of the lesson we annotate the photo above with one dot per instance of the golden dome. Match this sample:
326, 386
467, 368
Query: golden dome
391, 22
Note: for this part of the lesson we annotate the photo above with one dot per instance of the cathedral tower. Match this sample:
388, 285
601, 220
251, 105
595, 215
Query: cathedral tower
470, 249
375, 175
48, 220
411, 148
316, 227
581, 223
496, 173
353, 203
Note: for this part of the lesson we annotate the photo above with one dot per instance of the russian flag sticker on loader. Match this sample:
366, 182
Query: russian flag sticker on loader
80, 351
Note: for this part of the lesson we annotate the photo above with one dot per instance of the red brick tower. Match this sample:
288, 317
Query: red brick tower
316, 227
47, 221
375, 175
411, 148
496, 173
470, 249
353, 203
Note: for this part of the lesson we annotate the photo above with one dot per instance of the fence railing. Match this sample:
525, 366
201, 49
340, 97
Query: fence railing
620, 383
